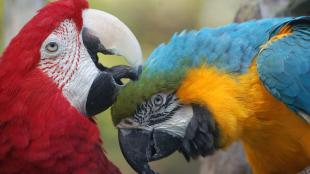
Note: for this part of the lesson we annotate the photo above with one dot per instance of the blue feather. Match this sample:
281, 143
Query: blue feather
284, 66
231, 48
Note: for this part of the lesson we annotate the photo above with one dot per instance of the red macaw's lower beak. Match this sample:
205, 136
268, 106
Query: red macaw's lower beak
104, 33
102, 93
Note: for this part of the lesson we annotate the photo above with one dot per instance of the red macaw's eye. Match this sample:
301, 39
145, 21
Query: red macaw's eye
52, 47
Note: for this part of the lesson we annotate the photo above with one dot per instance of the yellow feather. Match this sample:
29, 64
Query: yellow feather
219, 93
276, 140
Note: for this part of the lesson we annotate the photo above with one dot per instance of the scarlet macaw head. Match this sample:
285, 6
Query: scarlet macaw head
62, 41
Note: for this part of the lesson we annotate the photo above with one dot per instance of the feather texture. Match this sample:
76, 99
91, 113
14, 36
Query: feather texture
40, 131
227, 70
284, 64
230, 48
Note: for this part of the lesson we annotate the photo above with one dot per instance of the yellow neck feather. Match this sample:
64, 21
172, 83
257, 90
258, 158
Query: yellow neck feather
243, 109
220, 93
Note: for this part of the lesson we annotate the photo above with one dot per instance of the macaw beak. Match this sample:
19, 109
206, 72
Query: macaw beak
104, 33
140, 146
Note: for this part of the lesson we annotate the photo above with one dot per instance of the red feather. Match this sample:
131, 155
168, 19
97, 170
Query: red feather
40, 132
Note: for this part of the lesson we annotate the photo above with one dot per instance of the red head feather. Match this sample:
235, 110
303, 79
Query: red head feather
23, 51
40, 131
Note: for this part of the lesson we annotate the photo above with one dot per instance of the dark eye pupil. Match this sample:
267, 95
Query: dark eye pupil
158, 100
52, 47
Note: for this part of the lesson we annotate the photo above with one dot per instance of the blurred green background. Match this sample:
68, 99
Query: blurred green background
154, 22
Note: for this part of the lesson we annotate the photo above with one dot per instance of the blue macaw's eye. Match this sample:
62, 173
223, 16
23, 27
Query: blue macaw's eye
52, 47
158, 100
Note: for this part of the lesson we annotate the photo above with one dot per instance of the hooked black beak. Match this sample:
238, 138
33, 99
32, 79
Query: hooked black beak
104, 88
141, 146
102, 93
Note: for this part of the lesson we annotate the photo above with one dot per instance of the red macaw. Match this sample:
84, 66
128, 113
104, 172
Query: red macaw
51, 80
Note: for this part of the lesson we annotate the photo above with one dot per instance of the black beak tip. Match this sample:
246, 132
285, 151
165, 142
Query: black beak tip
136, 157
101, 95
103, 91
122, 71
140, 147
164, 144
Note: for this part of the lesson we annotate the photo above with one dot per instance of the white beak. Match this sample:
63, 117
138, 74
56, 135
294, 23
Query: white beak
114, 35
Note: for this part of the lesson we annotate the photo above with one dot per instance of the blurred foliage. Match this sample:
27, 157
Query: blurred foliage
154, 22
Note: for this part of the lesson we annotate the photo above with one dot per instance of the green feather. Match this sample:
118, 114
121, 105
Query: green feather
134, 93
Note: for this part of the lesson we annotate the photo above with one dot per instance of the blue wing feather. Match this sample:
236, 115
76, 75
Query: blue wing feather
284, 66
230, 48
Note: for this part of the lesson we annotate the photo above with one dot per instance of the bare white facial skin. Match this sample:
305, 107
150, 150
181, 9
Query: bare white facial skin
65, 59
179, 122
163, 112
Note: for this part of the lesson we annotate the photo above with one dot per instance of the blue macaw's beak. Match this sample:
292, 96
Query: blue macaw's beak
140, 146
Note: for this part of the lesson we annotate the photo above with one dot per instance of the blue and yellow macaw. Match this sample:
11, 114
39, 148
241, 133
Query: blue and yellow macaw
206, 89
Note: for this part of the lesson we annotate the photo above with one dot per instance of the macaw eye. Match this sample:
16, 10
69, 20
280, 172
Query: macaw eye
52, 47
158, 100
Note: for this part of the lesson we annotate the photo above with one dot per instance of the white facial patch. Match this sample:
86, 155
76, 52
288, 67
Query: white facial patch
65, 59
163, 111
178, 123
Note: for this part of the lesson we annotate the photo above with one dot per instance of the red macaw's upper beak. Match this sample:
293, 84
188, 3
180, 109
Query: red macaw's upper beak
111, 36
104, 33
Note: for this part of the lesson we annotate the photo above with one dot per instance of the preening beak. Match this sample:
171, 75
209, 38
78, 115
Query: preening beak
104, 33
140, 146
111, 36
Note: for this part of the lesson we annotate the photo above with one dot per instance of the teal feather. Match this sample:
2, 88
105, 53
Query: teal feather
284, 66
230, 48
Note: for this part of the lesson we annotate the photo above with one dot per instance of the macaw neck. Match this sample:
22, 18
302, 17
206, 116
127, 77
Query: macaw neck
41, 132
273, 135
243, 109
220, 93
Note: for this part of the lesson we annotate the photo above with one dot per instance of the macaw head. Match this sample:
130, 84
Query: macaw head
153, 119
62, 42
